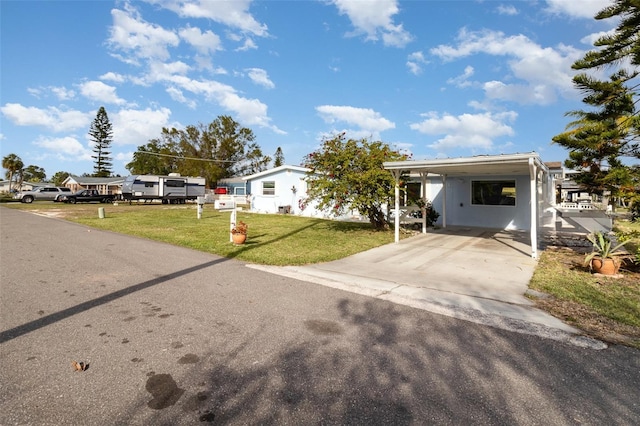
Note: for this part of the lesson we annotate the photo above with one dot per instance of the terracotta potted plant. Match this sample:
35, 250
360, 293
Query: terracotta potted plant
603, 259
239, 233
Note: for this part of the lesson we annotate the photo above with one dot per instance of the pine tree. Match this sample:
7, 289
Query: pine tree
604, 140
598, 138
623, 43
278, 158
613, 50
101, 134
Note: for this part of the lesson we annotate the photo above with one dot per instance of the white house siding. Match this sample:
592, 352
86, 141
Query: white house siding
284, 195
460, 211
285, 179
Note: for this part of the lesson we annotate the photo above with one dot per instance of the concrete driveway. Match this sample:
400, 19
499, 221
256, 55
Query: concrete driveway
475, 274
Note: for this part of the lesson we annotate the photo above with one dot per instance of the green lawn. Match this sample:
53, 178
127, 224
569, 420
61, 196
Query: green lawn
272, 239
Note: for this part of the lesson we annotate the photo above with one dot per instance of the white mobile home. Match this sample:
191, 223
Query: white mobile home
510, 192
278, 190
283, 189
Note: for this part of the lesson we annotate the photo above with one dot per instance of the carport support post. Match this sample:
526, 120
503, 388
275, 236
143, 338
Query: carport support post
396, 176
423, 195
533, 188
444, 201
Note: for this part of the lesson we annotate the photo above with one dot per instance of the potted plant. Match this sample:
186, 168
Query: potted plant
603, 258
239, 233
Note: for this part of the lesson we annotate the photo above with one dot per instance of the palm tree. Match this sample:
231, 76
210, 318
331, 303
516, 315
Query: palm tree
13, 164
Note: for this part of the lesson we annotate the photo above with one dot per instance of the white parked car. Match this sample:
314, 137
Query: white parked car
48, 193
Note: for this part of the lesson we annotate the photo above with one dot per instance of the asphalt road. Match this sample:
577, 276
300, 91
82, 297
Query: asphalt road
175, 336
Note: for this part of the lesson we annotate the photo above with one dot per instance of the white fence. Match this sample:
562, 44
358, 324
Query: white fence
578, 206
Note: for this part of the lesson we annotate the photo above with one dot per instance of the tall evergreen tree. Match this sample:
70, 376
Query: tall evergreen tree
603, 141
623, 43
101, 133
613, 49
598, 139
278, 158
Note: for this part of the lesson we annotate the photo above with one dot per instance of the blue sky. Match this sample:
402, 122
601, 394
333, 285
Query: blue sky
435, 78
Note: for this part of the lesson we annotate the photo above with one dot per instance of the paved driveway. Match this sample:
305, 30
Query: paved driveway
474, 274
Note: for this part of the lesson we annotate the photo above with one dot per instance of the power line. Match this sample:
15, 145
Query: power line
180, 157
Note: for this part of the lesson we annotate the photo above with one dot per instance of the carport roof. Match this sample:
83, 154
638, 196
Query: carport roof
505, 164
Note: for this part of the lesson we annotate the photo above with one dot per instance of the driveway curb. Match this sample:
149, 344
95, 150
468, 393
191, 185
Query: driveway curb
493, 313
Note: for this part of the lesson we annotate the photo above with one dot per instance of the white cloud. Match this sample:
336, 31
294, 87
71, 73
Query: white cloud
475, 131
591, 38
178, 96
162, 71
507, 10
577, 9
136, 41
131, 34
545, 71
540, 94
463, 79
36, 92
260, 76
414, 62
64, 147
374, 19
137, 127
249, 44
366, 119
234, 13
52, 118
100, 92
62, 93
205, 43
248, 111
114, 77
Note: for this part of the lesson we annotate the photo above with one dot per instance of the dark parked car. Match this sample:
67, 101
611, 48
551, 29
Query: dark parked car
87, 196
48, 193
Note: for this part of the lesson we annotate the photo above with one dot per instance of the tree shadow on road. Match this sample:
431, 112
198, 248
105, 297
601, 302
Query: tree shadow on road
379, 363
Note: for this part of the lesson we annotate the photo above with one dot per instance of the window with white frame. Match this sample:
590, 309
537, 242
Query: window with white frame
493, 192
268, 187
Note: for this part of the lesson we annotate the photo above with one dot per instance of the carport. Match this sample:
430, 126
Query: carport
460, 178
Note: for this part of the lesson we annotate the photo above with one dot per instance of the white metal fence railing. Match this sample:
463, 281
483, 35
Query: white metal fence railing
578, 206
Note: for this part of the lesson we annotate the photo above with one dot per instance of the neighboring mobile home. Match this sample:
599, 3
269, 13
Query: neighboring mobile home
283, 189
278, 190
